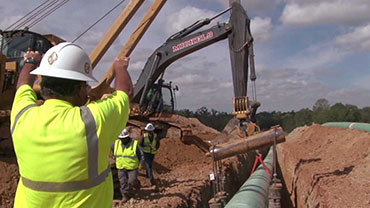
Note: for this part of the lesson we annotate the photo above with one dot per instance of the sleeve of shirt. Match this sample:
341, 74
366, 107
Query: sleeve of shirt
111, 114
24, 97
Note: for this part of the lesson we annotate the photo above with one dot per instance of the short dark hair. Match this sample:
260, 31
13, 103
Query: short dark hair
58, 87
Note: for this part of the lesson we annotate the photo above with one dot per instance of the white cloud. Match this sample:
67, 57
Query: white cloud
342, 12
316, 56
255, 6
6, 21
286, 89
185, 17
91, 38
355, 96
358, 40
362, 82
261, 29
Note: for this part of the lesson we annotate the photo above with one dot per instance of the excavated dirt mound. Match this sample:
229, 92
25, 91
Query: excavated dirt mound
326, 167
9, 177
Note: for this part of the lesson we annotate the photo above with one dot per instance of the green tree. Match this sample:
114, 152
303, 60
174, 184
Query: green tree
321, 104
288, 123
303, 117
321, 111
365, 115
353, 113
338, 112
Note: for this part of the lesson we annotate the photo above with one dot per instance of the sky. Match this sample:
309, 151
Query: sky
304, 50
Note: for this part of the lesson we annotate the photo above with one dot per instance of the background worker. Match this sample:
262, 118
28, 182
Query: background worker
150, 144
62, 146
128, 155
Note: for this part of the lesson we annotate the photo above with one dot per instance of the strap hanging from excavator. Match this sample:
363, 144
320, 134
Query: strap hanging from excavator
259, 159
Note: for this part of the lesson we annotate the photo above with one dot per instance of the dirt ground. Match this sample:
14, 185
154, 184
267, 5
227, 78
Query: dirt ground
326, 167
321, 166
9, 177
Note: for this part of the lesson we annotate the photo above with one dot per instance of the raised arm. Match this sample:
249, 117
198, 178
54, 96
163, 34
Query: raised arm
31, 62
123, 79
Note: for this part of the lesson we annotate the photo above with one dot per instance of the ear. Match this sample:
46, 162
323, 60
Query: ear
81, 96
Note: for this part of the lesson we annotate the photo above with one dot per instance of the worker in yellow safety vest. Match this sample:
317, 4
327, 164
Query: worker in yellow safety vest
150, 144
128, 155
63, 145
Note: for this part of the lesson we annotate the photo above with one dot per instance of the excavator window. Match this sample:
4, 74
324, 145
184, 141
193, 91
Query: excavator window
167, 99
159, 99
16, 43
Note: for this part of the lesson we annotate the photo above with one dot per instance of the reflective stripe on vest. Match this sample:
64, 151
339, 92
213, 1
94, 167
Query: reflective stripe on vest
150, 147
94, 178
19, 115
126, 157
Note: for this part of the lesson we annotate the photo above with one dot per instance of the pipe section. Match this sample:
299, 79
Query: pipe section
254, 192
349, 125
251, 143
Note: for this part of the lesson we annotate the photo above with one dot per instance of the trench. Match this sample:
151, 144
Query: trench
237, 169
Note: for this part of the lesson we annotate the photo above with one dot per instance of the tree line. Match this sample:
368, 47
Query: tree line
320, 113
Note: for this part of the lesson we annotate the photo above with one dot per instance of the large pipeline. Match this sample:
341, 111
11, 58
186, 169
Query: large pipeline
253, 142
254, 192
350, 125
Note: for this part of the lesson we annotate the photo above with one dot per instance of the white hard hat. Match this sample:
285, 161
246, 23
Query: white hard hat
124, 134
66, 60
149, 127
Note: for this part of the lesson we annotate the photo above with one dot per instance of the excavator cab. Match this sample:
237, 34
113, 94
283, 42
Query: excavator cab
159, 99
14, 44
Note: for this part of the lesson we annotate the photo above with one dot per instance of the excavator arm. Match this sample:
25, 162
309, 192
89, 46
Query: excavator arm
237, 31
186, 41
173, 50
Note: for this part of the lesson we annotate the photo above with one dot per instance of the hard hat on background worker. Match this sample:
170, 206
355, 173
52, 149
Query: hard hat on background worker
149, 127
67, 61
124, 134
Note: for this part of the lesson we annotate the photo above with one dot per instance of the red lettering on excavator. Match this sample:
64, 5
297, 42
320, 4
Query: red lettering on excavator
192, 41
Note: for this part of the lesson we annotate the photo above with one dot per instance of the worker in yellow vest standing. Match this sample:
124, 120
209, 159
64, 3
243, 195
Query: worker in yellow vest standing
150, 144
63, 145
128, 155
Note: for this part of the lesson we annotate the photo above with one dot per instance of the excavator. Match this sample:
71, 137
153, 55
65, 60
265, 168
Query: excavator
149, 103
153, 99
150, 91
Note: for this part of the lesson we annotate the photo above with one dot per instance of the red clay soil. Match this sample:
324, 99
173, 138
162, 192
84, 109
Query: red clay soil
9, 177
326, 167
321, 166
181, 171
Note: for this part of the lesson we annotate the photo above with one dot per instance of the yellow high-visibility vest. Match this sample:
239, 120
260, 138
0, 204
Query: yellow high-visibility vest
63, 150
126, 158
150, 147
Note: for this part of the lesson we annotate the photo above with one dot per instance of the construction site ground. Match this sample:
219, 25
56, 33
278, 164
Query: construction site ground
321, 166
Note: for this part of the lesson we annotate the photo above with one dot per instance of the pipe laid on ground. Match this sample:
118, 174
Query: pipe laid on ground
349, 125
250, 143
254, 192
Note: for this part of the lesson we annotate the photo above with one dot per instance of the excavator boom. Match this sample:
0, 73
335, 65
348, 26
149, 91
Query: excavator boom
145, 103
